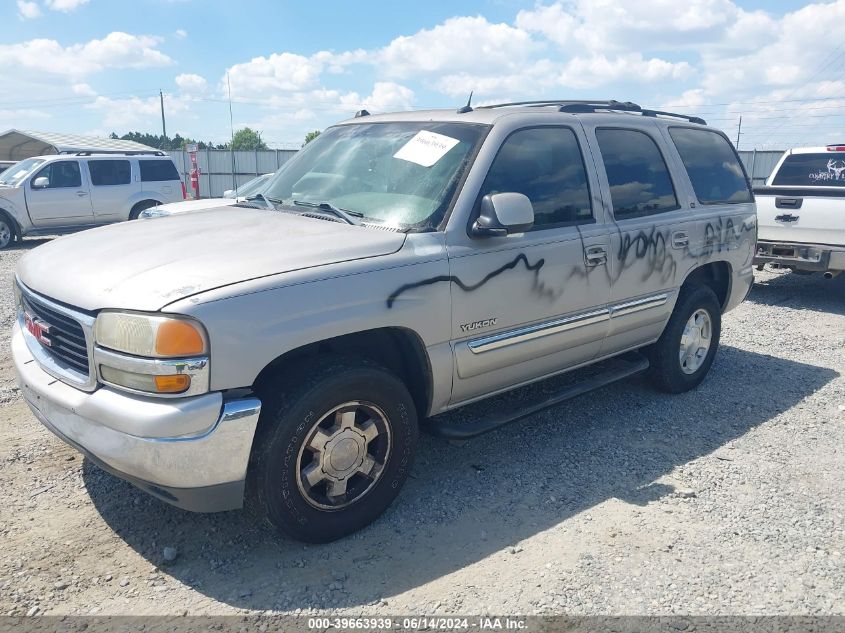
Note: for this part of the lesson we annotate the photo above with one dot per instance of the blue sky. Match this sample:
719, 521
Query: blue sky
95, 66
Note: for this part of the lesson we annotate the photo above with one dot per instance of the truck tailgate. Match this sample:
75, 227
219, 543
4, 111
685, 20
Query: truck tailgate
801, 214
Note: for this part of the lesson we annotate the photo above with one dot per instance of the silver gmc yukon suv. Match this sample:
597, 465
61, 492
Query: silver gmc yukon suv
282, 353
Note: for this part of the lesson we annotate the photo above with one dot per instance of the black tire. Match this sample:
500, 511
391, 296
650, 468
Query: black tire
292, 404
142, 206
8, 232
666, 372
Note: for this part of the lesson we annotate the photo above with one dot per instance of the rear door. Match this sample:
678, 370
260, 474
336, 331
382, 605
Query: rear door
160, 179
651, 231
65, 201
806, 200
111, 188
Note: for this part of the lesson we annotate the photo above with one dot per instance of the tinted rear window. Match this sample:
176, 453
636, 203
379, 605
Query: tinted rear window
713, 166
639, 179
109, 172
812, 170
157, 170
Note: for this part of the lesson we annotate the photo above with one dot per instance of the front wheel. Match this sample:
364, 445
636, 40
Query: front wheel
335, 444
682, 356
7, 233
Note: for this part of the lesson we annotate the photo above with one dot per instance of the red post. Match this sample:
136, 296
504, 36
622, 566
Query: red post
195, 171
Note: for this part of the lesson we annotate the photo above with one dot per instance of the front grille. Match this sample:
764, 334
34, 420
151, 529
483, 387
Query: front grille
67, 338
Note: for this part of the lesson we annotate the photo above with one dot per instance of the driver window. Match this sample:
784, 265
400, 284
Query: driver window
546, 165
61, 174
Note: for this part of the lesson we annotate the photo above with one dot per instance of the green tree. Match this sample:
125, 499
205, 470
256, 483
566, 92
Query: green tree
310, 137
247, 139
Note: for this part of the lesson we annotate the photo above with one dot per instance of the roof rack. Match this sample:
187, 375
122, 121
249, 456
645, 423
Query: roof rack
594, 106
131, 152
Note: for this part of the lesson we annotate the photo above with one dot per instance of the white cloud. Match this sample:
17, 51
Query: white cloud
386, 95
28, 10
468, 44
83, 90
64, 6
116, 50
280, 72
181, 33
136, 113
190, 83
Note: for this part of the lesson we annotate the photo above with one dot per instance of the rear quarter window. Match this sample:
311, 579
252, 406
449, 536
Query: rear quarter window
812, 170
714, 169
158, 170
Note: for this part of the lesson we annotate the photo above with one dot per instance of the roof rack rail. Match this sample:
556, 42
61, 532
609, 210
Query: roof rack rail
594, 106
131, 152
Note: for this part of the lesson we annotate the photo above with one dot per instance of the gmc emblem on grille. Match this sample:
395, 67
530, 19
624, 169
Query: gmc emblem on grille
37, 328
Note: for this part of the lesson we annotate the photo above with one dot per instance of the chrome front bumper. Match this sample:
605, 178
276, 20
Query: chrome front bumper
190, 452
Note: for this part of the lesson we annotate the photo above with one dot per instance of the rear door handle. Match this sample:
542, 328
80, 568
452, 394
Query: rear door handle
595, 255
680, 239
81, 194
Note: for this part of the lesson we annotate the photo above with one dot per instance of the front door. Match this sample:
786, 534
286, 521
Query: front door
64, 201
531, 304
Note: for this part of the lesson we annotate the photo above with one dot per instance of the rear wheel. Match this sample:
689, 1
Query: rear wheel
682, 356
141, 206
335, 444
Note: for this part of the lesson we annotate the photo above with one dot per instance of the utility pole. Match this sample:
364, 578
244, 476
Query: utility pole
738, 131
163, 126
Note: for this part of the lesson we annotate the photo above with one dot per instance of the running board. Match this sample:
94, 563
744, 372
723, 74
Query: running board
450, 426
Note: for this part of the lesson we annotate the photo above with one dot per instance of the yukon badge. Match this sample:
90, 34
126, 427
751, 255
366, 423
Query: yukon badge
477, 325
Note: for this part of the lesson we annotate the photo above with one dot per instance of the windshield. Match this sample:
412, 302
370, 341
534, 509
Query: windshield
251, 187
13, 176
812, 170
399, 174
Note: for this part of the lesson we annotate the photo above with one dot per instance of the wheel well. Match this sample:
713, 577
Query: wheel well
397, 349
717, 275
144, 204
16, 229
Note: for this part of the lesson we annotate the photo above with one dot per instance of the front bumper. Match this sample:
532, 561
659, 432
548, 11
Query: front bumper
190, 452
809, 257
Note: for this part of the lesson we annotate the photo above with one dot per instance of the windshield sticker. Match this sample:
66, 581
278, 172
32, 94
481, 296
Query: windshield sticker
835, 171
426, 148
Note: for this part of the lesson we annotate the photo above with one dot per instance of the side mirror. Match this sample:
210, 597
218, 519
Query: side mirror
42, 182
502, 214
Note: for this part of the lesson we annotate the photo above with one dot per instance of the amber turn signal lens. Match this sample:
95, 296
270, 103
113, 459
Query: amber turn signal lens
172, 384
179, 338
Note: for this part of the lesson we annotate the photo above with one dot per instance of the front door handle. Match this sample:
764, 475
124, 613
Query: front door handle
680, 239
595, 255
81, 194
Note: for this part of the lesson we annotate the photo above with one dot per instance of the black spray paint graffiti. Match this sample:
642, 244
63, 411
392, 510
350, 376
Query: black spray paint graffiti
649, 246
521, 258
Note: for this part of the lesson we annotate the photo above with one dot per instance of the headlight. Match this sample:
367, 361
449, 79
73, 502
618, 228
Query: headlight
151, 353
151, 336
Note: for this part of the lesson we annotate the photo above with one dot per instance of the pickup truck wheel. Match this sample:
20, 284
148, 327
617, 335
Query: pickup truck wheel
7, 234
333, 450
682, 356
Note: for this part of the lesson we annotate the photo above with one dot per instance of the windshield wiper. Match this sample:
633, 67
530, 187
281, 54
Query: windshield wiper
350, 217
260, 196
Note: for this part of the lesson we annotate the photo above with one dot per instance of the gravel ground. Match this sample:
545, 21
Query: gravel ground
725, 500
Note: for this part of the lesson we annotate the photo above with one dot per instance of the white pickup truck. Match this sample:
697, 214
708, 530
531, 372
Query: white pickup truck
801, 212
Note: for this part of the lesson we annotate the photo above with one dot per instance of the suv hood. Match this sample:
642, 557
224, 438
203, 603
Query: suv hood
147, 264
